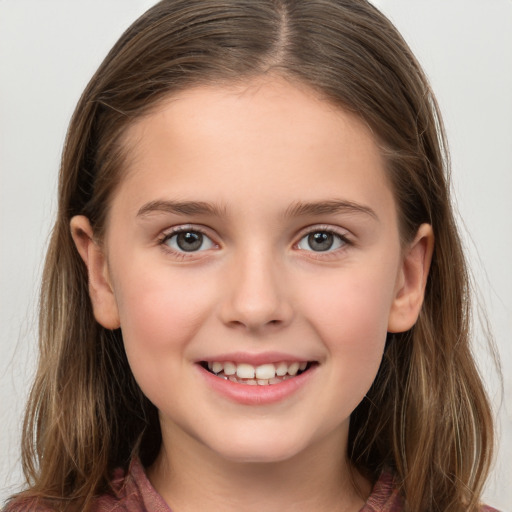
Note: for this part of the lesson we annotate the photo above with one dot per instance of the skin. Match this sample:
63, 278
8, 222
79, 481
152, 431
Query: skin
257, 285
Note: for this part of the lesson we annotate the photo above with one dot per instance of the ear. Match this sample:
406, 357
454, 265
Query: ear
411, 281
100, 289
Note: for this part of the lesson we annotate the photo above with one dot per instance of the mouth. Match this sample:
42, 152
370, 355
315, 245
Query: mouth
262, 375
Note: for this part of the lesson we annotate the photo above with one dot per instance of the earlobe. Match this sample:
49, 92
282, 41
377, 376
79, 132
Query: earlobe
100, 288
411, 281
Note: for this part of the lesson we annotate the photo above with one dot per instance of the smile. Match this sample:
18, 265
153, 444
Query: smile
262, 375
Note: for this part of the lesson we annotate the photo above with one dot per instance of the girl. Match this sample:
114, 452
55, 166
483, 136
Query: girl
255, 295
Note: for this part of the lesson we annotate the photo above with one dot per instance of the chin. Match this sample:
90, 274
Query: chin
264, 451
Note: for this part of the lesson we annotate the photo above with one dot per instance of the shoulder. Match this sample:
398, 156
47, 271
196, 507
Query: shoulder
132, 492
25, 505
385, 496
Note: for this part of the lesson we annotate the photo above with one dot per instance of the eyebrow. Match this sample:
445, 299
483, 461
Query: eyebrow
328, 207
297, 209
180, 208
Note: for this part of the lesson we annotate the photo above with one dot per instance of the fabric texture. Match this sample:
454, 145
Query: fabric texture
133, 492
136, 494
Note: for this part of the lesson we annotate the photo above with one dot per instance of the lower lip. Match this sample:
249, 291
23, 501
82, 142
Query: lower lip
257, 395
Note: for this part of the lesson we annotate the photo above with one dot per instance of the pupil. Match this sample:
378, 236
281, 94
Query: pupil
320, 241
189, 241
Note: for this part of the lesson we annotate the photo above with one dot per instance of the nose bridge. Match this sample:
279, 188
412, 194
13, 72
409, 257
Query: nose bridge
256, 296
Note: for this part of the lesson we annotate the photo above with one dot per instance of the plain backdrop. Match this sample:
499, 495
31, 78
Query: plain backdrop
50, 48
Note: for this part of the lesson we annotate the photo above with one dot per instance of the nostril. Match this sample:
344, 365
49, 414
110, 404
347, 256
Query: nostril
255, 325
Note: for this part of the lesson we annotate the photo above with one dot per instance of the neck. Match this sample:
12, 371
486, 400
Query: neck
192, 478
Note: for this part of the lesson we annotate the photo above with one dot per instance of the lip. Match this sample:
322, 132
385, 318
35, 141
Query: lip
246, 394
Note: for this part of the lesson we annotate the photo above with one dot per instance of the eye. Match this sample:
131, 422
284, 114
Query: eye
321, 241
188, 240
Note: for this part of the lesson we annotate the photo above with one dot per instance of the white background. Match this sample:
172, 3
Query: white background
50, 48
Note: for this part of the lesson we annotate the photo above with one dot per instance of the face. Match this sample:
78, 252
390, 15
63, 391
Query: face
253, 262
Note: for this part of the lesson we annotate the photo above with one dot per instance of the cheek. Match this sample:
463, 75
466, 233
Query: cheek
353, 300
350, 314
160, 314
160, 310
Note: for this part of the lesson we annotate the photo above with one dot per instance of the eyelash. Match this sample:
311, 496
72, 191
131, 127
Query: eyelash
343, 240
181, 254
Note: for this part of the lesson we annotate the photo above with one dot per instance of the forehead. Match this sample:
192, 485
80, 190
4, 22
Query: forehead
260, 138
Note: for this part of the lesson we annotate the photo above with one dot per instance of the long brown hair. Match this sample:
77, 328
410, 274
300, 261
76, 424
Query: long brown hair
426, 415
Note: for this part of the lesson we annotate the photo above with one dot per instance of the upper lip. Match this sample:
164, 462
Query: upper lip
255, 359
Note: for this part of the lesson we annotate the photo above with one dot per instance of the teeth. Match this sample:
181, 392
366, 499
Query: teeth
266, 371
245, 371
229, 369
217, 367
281, 369
293, 368
256, 375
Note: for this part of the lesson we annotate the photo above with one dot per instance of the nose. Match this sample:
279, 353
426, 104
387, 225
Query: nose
256, 297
